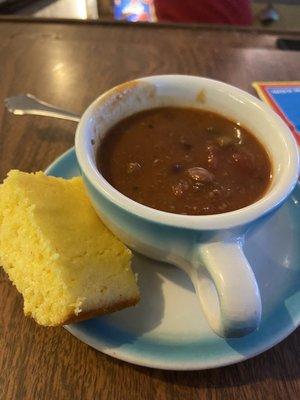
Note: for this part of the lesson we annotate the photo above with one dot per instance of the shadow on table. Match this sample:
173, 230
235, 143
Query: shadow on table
279, 363
56, 133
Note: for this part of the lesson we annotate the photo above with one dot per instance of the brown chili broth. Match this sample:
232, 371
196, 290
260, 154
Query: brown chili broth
184, 161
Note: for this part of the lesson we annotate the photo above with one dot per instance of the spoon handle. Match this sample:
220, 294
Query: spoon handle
28, 104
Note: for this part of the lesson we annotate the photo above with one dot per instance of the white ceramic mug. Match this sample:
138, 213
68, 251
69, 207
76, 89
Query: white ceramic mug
210, 247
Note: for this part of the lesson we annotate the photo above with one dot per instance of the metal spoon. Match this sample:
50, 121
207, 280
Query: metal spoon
28, 104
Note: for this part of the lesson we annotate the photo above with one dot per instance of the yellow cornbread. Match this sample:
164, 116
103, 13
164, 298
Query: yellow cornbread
57, 252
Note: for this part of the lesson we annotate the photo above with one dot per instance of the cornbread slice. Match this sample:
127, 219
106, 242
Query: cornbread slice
63, 260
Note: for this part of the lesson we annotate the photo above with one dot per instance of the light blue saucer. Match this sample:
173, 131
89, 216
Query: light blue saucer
167, 329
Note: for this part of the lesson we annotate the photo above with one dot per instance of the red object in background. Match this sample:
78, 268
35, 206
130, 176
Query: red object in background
233, 12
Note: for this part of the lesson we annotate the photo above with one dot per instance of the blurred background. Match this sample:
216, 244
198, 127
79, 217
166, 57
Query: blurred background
277, 14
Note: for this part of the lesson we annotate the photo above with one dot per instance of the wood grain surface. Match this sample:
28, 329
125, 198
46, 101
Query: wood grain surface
69, 65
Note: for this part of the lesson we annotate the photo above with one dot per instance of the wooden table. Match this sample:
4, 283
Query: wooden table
69, 64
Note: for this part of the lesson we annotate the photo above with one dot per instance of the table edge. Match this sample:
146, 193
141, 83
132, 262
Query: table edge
165, 25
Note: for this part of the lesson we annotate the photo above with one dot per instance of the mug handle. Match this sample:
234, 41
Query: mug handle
226, 287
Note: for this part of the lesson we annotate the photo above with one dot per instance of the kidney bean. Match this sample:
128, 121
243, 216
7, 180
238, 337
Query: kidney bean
199, 174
